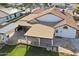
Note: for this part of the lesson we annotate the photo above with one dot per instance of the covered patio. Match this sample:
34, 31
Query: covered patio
40, 35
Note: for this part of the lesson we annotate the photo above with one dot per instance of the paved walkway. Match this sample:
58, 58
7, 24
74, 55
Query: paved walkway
19, 35
70, 44
66, 44
75, 43
63, 42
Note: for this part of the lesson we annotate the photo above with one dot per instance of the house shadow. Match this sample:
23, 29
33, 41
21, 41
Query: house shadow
38, 51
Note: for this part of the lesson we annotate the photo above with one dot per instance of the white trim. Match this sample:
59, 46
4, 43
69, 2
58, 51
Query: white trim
26, 39
39, 41
52, 42
5, 38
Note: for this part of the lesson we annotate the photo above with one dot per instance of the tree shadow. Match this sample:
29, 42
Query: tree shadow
7, 48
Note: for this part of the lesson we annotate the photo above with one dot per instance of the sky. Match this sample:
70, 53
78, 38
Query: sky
39, 1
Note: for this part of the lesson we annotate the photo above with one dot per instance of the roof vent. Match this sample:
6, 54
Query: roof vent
63, 11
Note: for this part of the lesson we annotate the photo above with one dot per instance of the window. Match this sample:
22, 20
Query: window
56, 31
65, 27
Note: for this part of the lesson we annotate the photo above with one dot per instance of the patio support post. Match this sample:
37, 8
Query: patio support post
5, 38
26, 39
39, 41
52, 42
1, 38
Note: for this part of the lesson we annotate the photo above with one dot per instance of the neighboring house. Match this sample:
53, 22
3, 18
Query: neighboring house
26, 11
10, 10
7, 14
9, 29
5, 30
3, 14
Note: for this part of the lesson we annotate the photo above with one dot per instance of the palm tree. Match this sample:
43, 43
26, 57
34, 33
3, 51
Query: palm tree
76, 10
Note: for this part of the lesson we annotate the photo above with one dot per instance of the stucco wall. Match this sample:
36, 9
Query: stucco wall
9, 17
35, 41
49, 18
45, 42
32, 41
3, 19
68, 33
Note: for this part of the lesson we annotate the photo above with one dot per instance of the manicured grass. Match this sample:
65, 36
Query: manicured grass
2, 54
6, 49
37, 51
18, 51
24, 50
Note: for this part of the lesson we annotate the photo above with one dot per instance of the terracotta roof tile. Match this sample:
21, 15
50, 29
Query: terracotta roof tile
67, 18
68, 21
42, 31
37, 11
51, 10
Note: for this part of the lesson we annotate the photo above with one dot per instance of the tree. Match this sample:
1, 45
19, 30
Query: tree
76, 9
5, 4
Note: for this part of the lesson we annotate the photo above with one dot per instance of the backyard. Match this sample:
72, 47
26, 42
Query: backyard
24, 50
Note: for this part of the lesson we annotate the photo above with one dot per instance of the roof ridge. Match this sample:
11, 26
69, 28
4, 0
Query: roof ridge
4, 12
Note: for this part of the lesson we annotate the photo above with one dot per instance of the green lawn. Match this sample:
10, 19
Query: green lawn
6, 49
20, 50
24, 50
37, 51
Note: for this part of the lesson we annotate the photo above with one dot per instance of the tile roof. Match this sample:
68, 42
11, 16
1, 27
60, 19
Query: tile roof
67, 18
23, 23
8, 28
50, 10
68, 21
29, 17
9, 10
36, 11
42, 31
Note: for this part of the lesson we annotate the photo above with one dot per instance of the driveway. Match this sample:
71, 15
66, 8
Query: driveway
75, 43
63, 42
18, 35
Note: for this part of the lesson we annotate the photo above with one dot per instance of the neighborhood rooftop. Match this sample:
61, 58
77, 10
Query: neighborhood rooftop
53, 11
67, 18
23, 23
9, 10
8, 28
36, 11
